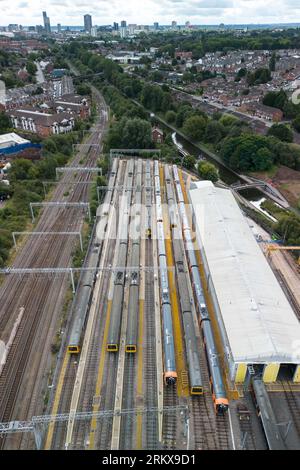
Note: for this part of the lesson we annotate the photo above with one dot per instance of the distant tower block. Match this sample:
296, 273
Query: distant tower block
270, 372
241, 372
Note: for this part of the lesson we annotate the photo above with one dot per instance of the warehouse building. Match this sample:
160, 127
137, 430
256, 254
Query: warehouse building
257, 324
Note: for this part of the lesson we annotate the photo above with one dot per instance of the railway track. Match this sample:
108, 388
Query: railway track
293, 404
247, 434
127, 422
36, 253
103, 435
87, 384
105, 396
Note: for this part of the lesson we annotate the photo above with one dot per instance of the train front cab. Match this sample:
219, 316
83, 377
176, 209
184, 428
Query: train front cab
196, 390
130, 348
72, 349
170, 378
221, 406
112, 347
221, 403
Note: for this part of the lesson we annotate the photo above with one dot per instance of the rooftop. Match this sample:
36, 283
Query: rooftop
259, 322
12, 138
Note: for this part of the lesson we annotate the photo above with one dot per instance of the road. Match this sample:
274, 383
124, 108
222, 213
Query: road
260, 126
281, 261
39, 74
102, 381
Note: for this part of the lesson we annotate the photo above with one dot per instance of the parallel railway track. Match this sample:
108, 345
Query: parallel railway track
35, 294
151, 425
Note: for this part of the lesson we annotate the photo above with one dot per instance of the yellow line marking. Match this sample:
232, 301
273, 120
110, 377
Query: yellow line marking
231, 392
100, 374
182, 389
139, 420
57, 399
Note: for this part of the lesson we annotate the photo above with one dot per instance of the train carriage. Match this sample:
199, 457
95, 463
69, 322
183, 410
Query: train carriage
216, 380
119, 281
192, 352
86, 285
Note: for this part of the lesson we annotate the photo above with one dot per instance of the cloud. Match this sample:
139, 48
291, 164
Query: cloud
147, 11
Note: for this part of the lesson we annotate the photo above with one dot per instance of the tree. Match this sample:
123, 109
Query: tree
170, 117
272, 63
5, 192
259, 76
83, 89
31, 68
183, 112
296, 123
152, 97
136, 133
194, 127
276, 99
215, 131
263, 159
242, 73
228, 120
208, 171
243, 153
187, 77
4, 122
22, 169
282, 132
289, 227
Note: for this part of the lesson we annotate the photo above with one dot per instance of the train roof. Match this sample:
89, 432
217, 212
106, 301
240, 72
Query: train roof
269, 422
255, 314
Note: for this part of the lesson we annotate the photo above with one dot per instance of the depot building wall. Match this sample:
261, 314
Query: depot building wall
237, 370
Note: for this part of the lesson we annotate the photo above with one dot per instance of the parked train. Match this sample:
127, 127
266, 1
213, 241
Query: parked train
216, 380
192, 350
133, 302
266, 415
113, 340
86, 285
148, 199
170, 374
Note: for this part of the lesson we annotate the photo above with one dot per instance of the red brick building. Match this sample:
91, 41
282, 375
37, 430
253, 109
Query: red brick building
157, 135
263, 111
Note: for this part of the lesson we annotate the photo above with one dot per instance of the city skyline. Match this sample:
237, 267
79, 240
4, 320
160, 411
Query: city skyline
202, 12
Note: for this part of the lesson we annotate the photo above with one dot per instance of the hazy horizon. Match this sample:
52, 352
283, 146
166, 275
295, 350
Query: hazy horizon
198, 12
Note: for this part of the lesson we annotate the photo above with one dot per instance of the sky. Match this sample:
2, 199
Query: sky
70, 12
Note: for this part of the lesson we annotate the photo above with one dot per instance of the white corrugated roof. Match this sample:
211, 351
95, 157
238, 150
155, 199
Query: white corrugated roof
259, 321
12, 138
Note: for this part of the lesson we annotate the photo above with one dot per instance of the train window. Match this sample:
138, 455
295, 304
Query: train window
112, 347
180, 266
197, 390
